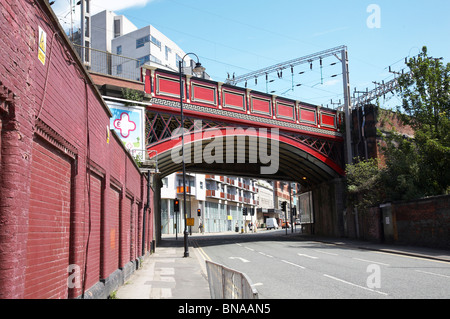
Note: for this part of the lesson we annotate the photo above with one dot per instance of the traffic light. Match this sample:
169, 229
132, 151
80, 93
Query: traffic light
294, 211
244, 211
176, 206
199, 212
283, 206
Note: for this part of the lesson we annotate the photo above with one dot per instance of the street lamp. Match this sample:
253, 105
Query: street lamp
198, 68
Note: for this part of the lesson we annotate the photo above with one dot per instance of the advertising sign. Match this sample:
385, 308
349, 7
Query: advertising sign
129, 124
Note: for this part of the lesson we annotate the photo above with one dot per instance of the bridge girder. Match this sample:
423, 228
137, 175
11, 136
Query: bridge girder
295, 162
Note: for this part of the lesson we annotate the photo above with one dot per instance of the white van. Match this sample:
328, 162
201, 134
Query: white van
271, 223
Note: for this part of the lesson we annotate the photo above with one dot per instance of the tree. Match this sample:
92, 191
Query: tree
364, 188
401, 175
414, 167
425, 93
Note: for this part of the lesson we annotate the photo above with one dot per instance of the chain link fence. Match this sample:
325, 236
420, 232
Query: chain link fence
226, 283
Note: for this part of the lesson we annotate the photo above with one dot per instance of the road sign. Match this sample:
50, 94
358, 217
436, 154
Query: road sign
190, 222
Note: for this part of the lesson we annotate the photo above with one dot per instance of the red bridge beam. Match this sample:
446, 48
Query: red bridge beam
215, 99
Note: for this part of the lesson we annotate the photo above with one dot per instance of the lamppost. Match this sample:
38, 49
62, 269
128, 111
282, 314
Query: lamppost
198, 68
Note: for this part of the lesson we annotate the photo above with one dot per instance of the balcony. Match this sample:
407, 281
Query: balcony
188, 190
231, 197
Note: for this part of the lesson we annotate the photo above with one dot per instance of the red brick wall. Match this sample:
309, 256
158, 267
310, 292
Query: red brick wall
48, 224
56, 122
94, 245
424, 222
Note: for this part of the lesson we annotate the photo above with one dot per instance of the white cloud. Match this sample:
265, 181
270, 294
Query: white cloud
62, 9
116, 5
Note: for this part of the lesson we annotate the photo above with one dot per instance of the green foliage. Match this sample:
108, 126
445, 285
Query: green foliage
426, 104
133, 95
364, 187
400, 178
425, 92
417, 167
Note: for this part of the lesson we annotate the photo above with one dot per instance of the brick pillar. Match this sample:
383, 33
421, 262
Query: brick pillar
17, 101
16, 150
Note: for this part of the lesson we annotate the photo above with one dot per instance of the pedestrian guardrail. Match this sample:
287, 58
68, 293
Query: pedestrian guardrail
226, 283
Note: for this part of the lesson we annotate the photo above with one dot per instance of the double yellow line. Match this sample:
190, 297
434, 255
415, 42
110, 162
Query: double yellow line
200, 250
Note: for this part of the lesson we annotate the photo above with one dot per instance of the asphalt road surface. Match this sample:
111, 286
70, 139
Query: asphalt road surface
284, 267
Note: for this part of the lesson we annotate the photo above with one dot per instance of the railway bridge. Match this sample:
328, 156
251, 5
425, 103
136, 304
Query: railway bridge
236, 131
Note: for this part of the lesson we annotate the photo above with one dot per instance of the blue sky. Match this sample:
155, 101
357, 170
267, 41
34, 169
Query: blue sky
247, 35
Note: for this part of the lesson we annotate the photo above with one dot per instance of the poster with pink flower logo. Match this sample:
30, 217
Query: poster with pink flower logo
128, 123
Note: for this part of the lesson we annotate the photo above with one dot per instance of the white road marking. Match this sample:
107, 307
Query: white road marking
241, 259
431, 273
312, 257
249, 248
352, 284
372, 262
325, 252
288, 262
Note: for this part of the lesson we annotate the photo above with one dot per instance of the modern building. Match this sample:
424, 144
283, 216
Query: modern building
218, 203
129, 48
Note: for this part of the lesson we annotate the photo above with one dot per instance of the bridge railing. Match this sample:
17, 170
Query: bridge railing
222, 101
226, 283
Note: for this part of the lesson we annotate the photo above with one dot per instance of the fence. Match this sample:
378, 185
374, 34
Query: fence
111, 64
226, 283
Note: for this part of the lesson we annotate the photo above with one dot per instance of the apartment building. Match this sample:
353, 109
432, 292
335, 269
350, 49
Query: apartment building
130, 47
218, 203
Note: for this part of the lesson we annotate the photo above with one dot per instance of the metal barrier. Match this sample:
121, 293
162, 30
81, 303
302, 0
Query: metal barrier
226, 283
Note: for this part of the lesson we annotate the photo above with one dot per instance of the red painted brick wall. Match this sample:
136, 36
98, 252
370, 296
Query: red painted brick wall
56, 122
94, 245
424, 222
49, 224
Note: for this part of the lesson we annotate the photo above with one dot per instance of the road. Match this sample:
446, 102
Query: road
287, 267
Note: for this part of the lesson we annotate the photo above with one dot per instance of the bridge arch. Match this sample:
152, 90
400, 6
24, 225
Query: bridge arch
250, 152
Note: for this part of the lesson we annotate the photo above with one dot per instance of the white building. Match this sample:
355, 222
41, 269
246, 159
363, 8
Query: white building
130, 47
220, 199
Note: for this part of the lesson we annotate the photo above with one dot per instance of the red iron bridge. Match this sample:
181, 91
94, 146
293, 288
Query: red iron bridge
309, 140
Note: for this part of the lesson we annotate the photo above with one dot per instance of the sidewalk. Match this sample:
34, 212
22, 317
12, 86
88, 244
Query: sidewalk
166, 274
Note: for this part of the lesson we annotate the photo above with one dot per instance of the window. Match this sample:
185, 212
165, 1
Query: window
119, 69
155, 59
141, 41
155, 41
119, 50
116, 28
168, 50
177, 59
142, 60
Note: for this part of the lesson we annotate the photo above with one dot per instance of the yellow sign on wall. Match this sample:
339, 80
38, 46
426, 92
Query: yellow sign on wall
190, 221
42, 45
